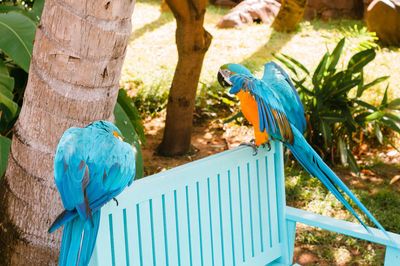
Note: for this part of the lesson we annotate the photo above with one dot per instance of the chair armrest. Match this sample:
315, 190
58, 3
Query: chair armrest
342, 227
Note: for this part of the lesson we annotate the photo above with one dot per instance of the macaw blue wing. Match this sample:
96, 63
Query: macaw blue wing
281, 114
91, 167
87, 168
272, 116
279, 80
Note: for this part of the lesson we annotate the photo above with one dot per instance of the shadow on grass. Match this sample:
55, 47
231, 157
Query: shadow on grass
336, 24
164, 18
274, 44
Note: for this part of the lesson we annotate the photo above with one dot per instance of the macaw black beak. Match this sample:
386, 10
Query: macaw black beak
223, 78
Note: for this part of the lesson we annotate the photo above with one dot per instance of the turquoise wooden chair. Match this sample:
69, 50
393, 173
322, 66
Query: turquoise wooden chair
226, 209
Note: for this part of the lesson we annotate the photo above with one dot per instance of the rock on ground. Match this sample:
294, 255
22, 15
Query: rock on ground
383, 17
249, 11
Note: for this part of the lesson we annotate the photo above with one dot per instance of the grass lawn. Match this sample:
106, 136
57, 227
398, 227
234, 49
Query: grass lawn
148, 71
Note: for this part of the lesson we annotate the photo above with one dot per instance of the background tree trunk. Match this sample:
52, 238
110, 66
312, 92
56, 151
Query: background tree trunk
192, 41
290, 15
73, 80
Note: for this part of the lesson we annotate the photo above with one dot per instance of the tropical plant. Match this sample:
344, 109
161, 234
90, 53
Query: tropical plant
360, 38
334, 116
129, 122
17, 28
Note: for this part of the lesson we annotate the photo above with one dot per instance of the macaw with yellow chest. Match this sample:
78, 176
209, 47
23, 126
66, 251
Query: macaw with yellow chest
92, 165
273, 106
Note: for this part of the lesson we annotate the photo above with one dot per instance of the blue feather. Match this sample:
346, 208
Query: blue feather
78, 240
277, 93
91, 167
314, 164
279, 80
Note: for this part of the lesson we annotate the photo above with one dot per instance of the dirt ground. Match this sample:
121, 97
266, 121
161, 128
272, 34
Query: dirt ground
208, 137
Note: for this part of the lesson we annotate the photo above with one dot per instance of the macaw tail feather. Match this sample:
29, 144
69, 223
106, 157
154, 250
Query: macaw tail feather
79, 237
62, 219
314, 164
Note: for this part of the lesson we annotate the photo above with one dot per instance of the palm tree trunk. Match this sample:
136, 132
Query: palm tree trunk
192, 41
73, 80
290, 15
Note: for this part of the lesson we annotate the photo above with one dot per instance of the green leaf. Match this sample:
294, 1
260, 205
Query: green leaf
345, 88
124, 124
37, 9
5, 144
360, 118
326, 132
390, 143
360, 59
6, 9
17, 33
342, 150
352, 162
384, 99
332, 117
240, 114
299, 84
374, 116
127, 105
6, 82
350, 122
365, 104
297, 63
378, 133
6, 85
390, 124
361, 89
8, 106
319, 72
393, 117
395, 104
334, 57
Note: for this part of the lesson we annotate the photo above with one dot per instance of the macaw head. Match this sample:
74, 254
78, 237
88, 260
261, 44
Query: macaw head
226, 71
109, 127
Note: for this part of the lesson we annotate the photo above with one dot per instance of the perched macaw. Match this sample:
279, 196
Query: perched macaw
272, 105
92, 165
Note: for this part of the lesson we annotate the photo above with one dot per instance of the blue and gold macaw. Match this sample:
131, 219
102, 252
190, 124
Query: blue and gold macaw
272, 105
92, 165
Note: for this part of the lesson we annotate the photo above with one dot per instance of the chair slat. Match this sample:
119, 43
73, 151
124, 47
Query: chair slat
159, 230
215, 220
118, 237
193, 211
223, 187
181, 205
205, 221
146, 234
274, 225
256, 230
245, 212
173, 256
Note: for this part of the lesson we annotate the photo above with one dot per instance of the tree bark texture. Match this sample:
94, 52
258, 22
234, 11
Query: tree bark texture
73, 80
192, 42
290, 15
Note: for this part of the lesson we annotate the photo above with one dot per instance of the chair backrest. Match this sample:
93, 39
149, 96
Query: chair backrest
225, 209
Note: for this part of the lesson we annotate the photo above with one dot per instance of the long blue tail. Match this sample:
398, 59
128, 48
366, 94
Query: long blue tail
79, 237
314, 164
